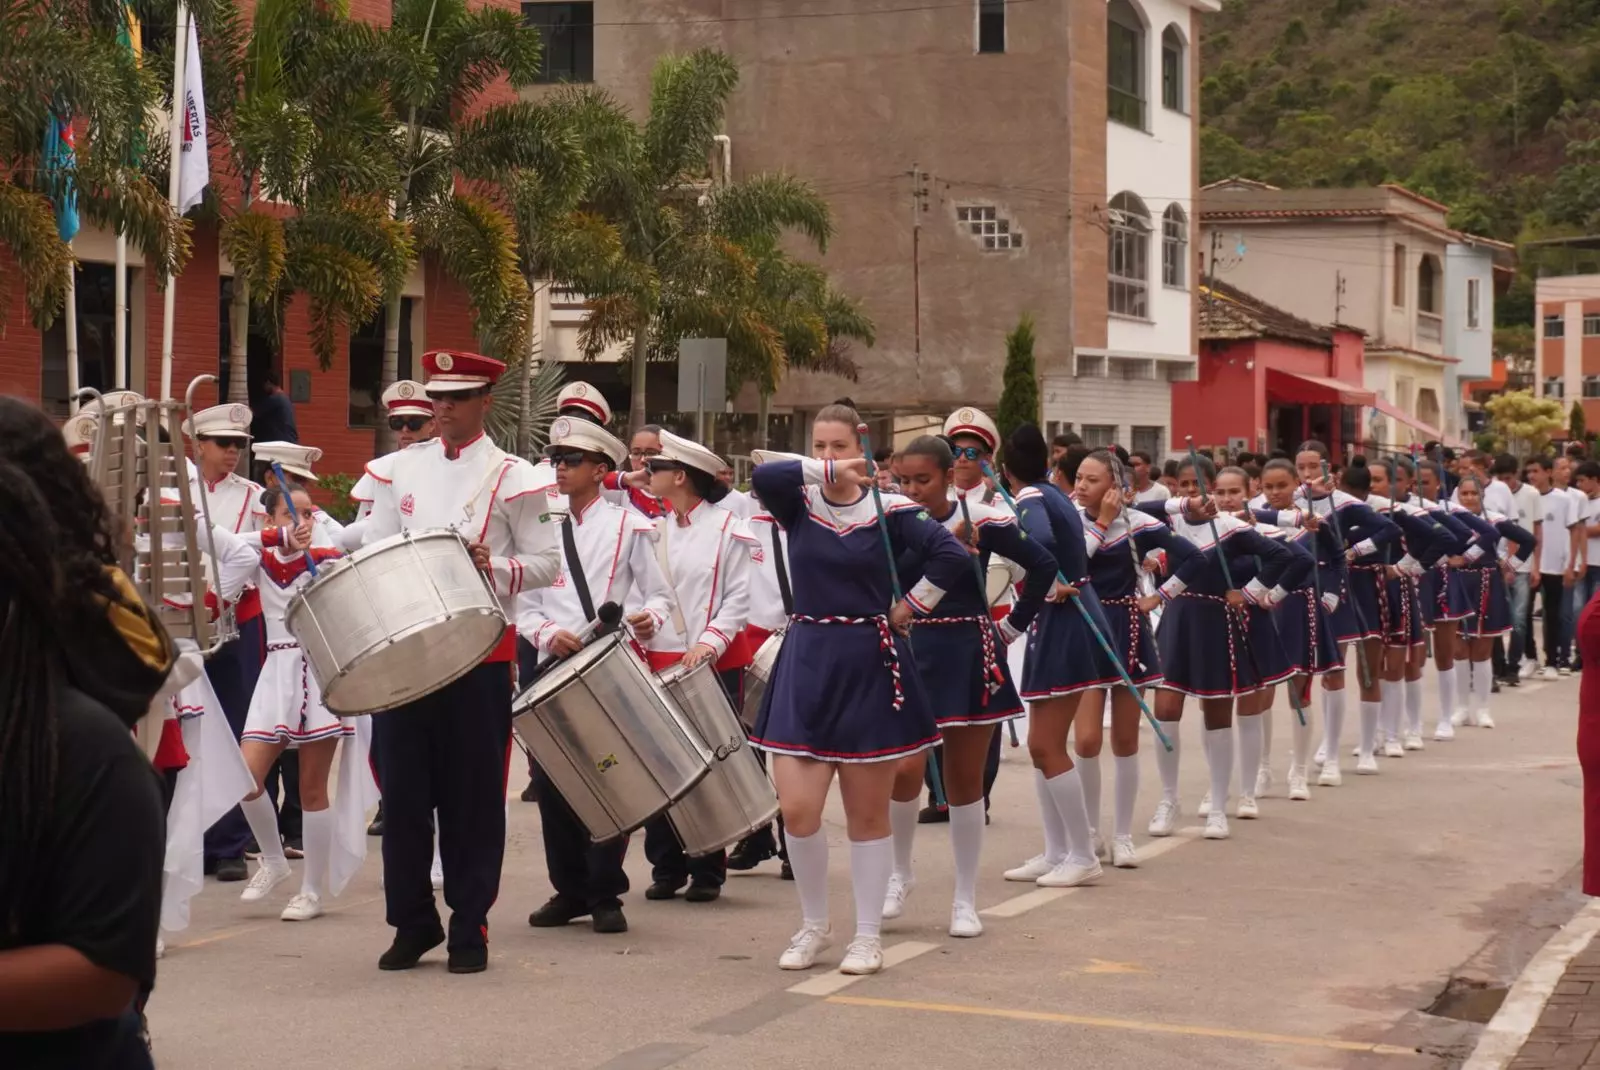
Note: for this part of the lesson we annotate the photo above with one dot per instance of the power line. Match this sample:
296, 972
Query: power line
797, 15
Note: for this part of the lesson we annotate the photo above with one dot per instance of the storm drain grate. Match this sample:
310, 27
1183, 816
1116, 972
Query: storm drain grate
1468, 1001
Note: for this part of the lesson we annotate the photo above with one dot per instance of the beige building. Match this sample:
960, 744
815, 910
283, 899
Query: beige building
963, 148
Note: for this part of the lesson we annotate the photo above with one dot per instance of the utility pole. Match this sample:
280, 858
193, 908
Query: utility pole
919, 205
1338, 297
1211, 290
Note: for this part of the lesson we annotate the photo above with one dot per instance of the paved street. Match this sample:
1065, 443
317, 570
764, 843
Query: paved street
1316, 937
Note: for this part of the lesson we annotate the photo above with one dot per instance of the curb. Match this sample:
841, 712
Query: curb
1502, 1038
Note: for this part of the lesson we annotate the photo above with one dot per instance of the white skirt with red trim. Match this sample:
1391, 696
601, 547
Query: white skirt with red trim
287, 704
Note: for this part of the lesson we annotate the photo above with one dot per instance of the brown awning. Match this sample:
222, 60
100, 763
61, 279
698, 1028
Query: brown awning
1293, 388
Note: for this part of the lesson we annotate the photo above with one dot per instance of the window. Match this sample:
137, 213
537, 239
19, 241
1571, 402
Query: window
1428, 284
1097, 436
1128, 266
1555, 387
260, 346
1591, 386
1174, 246
97, 320
1591, 324
1474, 294
1147, 440
567, 31
1399, 277
991, 25
1555, 326
1125, 65
366, 364
988, 228
1052, 428
1172, 69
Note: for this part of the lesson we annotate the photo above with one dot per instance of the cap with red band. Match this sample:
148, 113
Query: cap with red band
585, 399
974, 422
450, 371
406, 398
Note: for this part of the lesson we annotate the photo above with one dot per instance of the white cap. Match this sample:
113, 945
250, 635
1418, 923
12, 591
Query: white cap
690, 454
974, 422
219, 421
80, 432
406, 398
295, 459
585, 397
591, 438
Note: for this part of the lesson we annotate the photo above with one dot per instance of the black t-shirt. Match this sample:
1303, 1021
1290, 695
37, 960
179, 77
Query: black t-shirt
98, 890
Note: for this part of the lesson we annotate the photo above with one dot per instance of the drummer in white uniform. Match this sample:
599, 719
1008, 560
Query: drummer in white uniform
577, 400
410, 416
608, 555
447, 751
705, 557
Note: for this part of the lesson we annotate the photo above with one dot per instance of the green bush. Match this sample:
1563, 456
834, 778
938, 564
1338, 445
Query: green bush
334, 494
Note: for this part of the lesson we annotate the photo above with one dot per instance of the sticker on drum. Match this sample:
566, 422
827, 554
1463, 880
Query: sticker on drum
608, 762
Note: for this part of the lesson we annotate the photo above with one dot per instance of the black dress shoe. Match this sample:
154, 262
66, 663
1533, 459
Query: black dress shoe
932, 815
609, 920
376, 828
232, 869
753, 851
469, 960
408, 948
556, 913
662, 890
530, 793
787, 872
701, 893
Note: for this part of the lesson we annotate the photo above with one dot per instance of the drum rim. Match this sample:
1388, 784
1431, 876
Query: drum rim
391, 640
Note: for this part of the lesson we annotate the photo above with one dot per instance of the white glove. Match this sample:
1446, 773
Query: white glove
1330, 602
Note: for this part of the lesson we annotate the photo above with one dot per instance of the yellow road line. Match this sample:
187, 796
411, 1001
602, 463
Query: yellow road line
244, 930
1125, 1024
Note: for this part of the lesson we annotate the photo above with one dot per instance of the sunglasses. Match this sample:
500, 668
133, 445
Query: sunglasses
408, 423
969, 453
570, 458
227, 443
656, 464
644, 453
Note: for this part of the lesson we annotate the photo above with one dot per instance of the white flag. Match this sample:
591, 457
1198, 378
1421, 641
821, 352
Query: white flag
194, 168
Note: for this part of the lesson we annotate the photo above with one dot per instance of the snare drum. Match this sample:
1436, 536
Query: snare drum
757, 676
736, 798
615, 746
395, 621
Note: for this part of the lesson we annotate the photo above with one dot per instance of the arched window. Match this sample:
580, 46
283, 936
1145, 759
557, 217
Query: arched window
1125, 65
1172, 75
1428, 284
1174, 247
1128, 263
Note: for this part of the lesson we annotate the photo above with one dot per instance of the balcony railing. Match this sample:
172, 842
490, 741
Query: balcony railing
1125, 108
1430, 328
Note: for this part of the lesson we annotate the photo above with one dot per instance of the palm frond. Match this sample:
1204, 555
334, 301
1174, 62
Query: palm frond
504, 138
762, 207
612, 318
480, 47
505, 415
342, 290
477, 245
28, 232
254, 243
688, 98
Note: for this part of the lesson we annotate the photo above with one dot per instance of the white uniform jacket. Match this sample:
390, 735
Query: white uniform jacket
705, 557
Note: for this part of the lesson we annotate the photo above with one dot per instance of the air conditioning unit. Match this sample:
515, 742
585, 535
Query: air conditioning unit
1237, 445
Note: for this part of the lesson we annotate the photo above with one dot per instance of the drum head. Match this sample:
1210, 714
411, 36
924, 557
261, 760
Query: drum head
389, 676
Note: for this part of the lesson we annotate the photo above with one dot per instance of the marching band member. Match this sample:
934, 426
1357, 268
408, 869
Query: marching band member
1447, 606
608, 555
704, 552
220, 434
960, 656
576, 401
447, 751
296, 460
1486, 574
286, 711
630, 486
841, 701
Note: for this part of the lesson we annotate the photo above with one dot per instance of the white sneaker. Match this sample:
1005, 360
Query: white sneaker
1164, 820
1528, 668
804, 947
1484, 720
1248, 810
964, 920
1355, 751
1549, 672
1330, 777
1070, 874
1031, 870
1205, 805
894, 901
1216, 826
1299, 790
1102, 853
1263, 781
1458, 718
1563, 671
1446, 730
303, 906
1393, 749
1322, 753
863, 956
1124, 855
1366, 765
1412, 741
266, 878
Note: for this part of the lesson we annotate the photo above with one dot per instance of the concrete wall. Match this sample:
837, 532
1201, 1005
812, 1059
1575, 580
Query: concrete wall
1296, 266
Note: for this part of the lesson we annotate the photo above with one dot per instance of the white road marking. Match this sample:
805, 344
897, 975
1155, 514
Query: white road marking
1018, 905
829, 983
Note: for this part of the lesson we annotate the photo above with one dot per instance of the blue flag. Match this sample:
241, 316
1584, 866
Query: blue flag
60, 165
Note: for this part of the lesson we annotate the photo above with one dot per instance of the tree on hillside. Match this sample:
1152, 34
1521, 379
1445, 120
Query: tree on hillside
1524, 421
1019, 396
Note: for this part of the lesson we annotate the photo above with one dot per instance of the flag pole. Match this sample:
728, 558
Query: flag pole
71, 313
121, 334
180, 110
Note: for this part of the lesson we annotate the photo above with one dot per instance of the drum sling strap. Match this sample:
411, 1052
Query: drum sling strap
783, 572
569, 546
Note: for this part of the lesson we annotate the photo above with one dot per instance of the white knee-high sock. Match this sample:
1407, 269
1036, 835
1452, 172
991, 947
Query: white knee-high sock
871, 865
1369, 727
1302, 737
1413, 696
1127, 792
1332, 725
1066, 789
1089, 773
1480, 672
1266, 718
263, 820
808, 857
1250, 746
1219, 756
1167, 761
1465, 678
1389, 710
317, 834
1447, 691
966, 845
1055, 833
903, 823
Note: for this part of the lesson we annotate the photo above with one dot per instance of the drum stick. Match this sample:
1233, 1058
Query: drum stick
977, 571
1088, 618
294, 515
877, 501
1363, 669
606, 619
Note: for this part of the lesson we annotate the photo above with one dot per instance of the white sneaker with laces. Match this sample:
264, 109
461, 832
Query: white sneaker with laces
1484, 720
303, 906
1031, 870
1248, 809
804, 947
1263, 781
1549, 672
894, 901
1164, 820
1366, 765
1393, 749
1446, 730
1330, 777
863, 956
266, 878
964, 920
1205, 805
1299, 790
1412, 741
1529, 667
1124, 855
1070, 874
1102, 853
1216, 826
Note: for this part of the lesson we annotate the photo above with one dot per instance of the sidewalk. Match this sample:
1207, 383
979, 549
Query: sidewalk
1568, 1031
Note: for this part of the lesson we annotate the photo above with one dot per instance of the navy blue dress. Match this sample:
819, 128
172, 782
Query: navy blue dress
1295, 637
960, 655
1443, 590
1486, 587
844, 688
1114, 571
1360, 534
1426, 541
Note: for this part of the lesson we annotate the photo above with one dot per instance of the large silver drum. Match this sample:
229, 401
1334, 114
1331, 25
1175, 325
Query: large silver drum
736, 798
395, 621
758, 675
614, 745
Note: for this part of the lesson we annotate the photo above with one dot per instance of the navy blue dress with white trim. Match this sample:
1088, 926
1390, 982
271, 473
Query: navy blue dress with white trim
1425, 541
1292, 637
1442, 591
1115, 557
1486, 587
844, 688
1306, 624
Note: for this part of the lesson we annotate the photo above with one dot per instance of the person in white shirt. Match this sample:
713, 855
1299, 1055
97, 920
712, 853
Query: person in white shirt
705, 557
1565, 466
1145, 489
1510, 664
608, 555
1559, 549
1587, 478
447, 750
410, 416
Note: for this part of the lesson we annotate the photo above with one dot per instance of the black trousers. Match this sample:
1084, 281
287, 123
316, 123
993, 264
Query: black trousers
581, 871
446, 752
286, 771
991, 768
668, 863
1555, 597
233, 673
